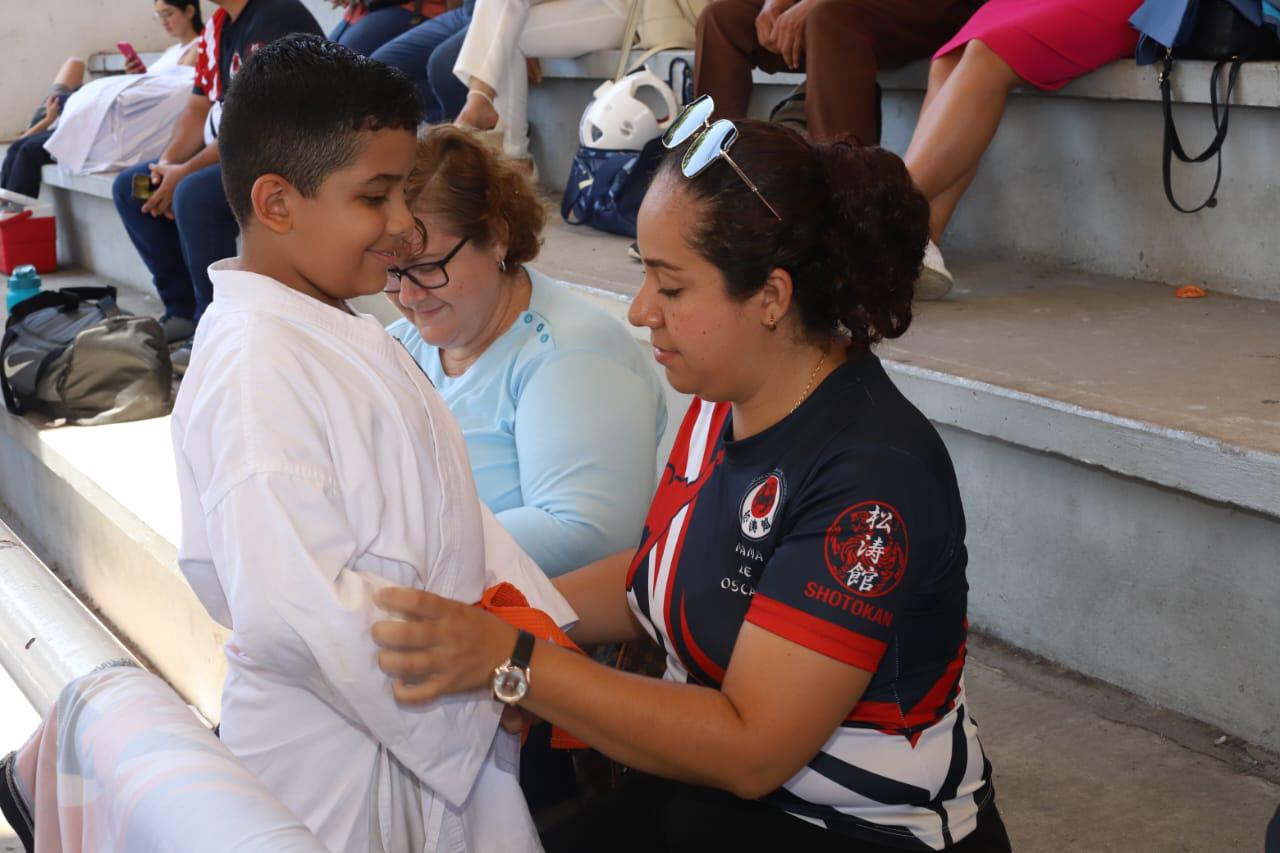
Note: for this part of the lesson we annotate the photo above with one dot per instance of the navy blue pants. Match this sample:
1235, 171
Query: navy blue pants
426, 55
373, 30
23, 162
178, 251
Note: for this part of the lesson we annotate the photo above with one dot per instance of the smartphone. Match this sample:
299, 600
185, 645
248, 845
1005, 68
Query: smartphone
142, 188
128, 52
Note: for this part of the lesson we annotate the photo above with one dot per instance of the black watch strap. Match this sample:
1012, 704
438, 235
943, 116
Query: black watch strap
523, 651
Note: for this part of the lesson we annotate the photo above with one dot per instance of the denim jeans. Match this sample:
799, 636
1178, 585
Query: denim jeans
178, 251
426, 55
23, 162
373, 30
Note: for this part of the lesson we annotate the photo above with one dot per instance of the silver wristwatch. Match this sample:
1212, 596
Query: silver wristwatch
511, 679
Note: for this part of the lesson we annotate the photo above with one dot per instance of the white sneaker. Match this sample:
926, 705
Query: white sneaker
935, 279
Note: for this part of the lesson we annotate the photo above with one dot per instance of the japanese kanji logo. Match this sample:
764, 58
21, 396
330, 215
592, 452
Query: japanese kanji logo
866, 549
760, 505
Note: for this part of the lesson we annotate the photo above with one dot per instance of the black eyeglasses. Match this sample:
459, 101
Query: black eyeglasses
711, 144
429, 276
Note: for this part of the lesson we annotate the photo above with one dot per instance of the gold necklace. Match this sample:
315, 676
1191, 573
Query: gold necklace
812, 377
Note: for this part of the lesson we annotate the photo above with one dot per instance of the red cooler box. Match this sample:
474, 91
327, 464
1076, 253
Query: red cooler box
29, 237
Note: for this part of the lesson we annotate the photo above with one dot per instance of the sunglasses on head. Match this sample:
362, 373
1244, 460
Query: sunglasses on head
710, 144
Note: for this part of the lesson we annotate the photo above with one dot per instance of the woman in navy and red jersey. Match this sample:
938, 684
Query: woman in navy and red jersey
803, 561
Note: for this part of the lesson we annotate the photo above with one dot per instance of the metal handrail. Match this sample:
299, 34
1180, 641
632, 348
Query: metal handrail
47, 636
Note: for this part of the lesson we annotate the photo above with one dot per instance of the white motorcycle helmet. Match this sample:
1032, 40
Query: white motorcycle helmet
628, 113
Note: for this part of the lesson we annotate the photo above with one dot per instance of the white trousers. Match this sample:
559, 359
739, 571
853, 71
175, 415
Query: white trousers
504, 32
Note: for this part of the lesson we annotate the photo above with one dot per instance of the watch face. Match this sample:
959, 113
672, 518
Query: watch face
510, 684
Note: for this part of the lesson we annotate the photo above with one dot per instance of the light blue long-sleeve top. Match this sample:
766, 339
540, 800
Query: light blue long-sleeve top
562, 416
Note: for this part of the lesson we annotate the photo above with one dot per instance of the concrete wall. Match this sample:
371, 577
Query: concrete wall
1175, 598
1077, 182
35, 38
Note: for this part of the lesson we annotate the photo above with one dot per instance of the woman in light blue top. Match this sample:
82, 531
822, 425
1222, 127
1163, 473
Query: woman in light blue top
561, 411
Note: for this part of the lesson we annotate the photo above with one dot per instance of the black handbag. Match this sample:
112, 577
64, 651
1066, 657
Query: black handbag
1218, 32
1221, 33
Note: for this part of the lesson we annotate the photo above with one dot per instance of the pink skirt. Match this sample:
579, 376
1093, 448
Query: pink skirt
1049, 43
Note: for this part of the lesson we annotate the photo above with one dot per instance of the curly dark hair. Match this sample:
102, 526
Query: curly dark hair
477, 191
852, 233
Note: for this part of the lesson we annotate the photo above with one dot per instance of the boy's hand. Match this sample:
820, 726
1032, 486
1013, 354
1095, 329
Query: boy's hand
443, 647
52, 108
165, 177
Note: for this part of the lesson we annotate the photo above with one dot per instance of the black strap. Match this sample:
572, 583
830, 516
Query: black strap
10, 399
68, 298
522, 654
1173, 145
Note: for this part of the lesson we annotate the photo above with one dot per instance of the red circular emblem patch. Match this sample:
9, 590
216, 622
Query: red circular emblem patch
760, 504
866, 549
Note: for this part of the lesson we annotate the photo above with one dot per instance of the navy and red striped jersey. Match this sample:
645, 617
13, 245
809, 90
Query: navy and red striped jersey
841, 529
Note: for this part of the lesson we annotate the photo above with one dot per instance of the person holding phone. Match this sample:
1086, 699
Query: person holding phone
27, 155
184, 224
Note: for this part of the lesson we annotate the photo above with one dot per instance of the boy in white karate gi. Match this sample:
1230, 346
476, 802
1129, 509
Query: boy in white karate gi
317, 464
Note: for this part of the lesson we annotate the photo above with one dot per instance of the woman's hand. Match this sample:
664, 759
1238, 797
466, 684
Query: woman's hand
443, 647
133, 65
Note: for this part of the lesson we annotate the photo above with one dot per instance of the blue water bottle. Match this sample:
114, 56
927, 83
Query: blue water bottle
22, 284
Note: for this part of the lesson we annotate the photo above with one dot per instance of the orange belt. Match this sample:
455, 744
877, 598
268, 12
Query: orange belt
509, 604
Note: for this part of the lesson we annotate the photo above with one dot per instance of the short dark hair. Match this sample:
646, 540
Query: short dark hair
297, 109
852, 234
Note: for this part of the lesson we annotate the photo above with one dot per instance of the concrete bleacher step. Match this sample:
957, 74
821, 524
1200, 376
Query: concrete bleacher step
1119, 454
1118, 446
1072, 178
103, 503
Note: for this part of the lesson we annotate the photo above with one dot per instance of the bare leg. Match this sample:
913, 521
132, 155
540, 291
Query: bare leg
944, 204
71, 74
956, 130
939, 72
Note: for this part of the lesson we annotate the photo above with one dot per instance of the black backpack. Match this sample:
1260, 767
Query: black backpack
74, 354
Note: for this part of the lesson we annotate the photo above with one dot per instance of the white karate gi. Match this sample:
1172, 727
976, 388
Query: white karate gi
317, 463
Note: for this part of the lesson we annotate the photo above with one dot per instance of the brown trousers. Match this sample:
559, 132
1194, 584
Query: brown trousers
845, 43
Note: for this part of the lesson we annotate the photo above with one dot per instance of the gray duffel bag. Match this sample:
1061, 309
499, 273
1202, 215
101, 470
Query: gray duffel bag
73, 354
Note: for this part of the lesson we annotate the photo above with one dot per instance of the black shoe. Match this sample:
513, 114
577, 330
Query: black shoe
176, 329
